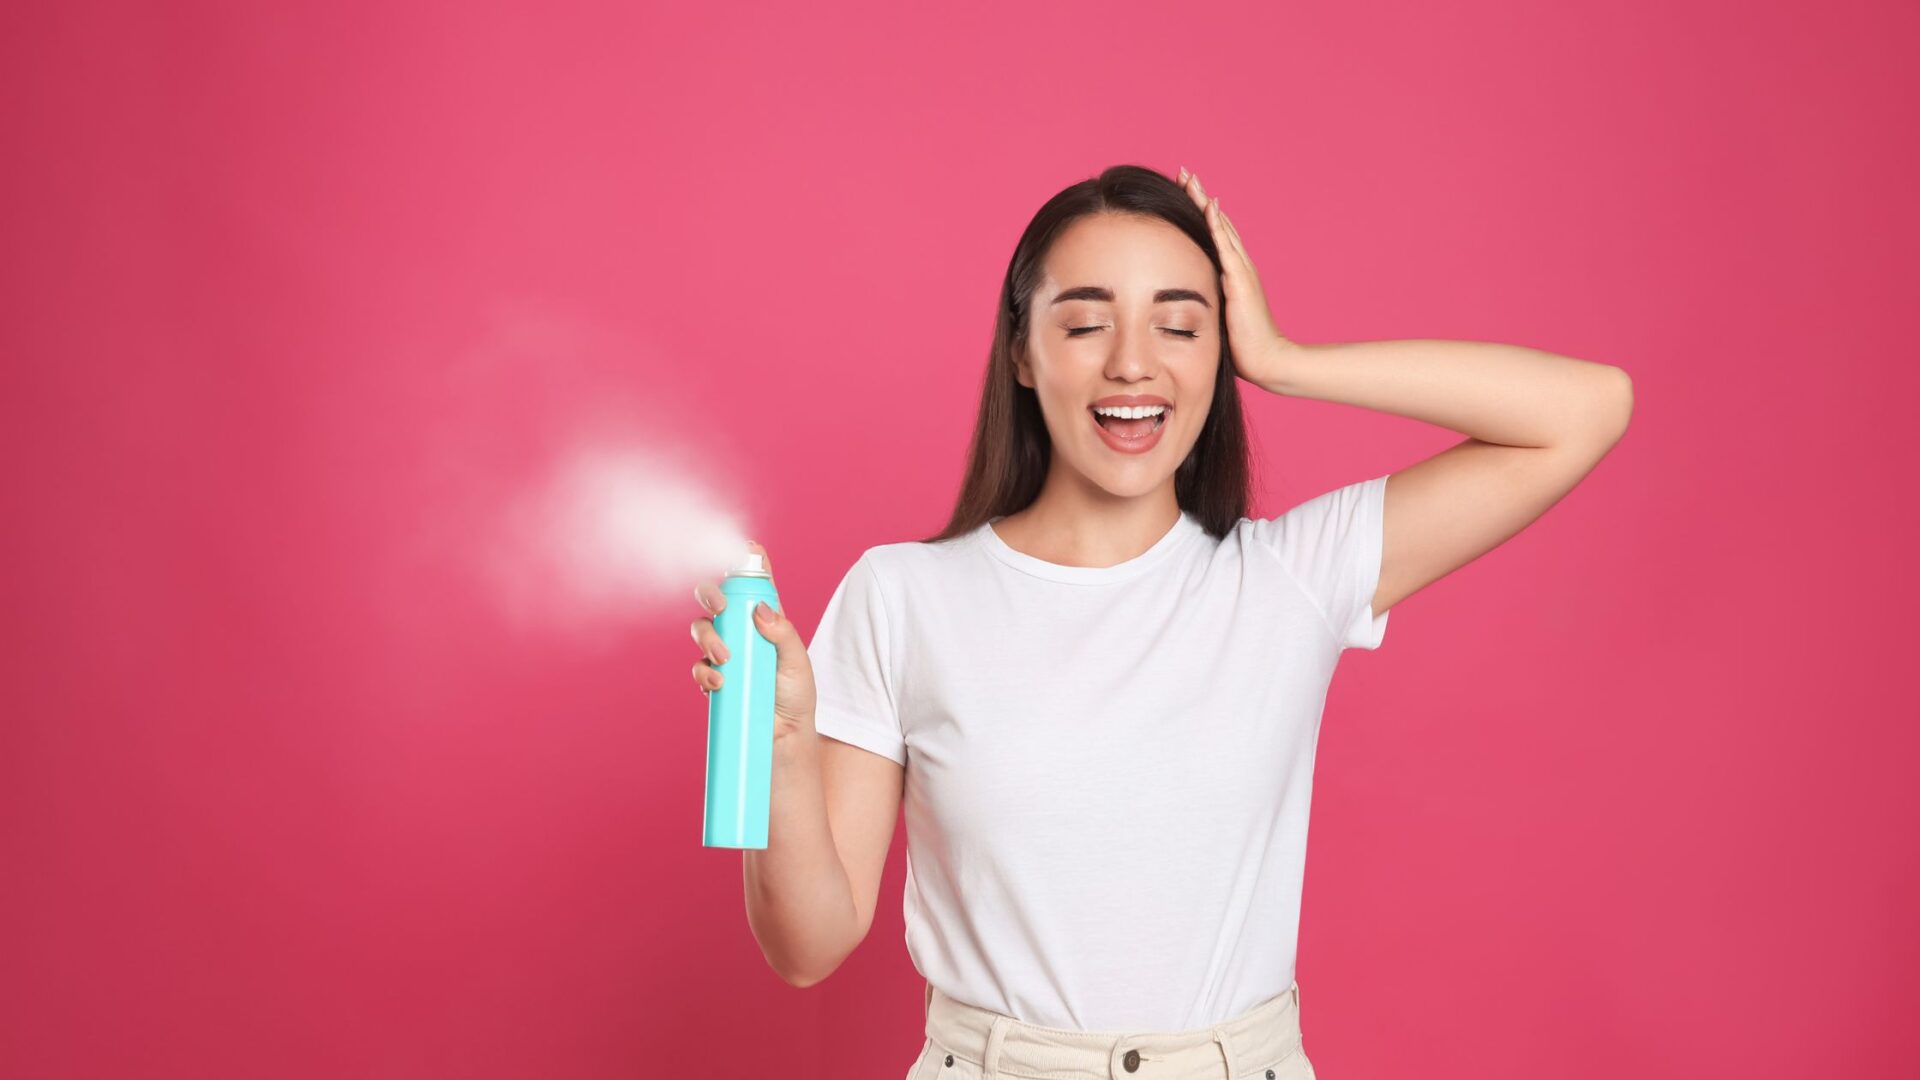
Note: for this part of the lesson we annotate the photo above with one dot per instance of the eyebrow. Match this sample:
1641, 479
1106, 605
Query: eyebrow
1105, 295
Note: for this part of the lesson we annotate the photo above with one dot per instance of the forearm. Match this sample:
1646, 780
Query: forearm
1507, 394
799, 899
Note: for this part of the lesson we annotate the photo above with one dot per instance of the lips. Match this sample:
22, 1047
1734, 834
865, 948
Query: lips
1132, 399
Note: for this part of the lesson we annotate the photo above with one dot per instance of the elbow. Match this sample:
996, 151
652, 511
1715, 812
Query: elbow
1620, 407
800, 980
802, 960
1626, 399
1604, 419
803, 973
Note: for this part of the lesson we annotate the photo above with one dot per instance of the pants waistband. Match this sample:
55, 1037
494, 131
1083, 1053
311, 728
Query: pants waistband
1002, 1046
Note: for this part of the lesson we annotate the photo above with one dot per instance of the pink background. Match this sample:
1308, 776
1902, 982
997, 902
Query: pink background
293, 296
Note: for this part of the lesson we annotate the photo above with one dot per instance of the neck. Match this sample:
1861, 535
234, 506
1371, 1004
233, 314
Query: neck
1074, 522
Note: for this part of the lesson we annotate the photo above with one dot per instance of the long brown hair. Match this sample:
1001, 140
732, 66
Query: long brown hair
1011, 451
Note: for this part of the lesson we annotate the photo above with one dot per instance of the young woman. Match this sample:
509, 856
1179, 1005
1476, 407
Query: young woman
1100, 687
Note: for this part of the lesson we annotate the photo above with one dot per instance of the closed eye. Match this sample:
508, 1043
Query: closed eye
1076, 331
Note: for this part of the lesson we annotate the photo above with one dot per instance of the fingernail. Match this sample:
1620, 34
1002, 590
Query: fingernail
761, 609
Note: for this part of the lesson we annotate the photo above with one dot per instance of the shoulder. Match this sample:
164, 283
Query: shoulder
1330, 513
887, 581
908, 560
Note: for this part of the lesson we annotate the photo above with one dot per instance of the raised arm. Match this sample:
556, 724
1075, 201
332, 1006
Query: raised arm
1537, 424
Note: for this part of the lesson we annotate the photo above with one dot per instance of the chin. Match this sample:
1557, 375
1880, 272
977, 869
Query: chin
1128, 482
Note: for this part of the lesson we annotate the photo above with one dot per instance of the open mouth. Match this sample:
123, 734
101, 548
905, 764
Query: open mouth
1128, 434
1131, 429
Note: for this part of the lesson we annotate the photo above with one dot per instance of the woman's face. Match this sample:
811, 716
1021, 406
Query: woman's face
1129, 307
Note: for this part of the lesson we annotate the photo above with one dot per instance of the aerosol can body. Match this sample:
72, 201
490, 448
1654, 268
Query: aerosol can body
740, 714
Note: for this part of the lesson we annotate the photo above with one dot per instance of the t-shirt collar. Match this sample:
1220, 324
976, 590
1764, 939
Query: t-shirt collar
1183, 529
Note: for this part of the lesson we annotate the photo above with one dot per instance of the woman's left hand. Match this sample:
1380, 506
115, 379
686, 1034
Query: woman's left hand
1260, 351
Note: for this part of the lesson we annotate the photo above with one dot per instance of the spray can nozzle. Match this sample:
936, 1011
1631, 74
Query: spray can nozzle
752, 564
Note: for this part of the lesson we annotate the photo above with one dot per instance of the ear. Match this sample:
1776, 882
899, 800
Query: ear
1022, 370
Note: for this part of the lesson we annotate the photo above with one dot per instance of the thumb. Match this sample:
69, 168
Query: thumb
775, 627
790, 653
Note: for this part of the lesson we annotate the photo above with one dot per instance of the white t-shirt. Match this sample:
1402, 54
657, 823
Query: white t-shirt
1108, 769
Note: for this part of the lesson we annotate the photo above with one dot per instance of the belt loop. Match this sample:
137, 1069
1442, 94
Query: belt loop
990, 1060
1226, 1051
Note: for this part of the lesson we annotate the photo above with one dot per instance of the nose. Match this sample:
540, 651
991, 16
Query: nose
1132, 357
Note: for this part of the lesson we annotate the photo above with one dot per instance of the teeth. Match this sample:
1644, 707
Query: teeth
1129, 412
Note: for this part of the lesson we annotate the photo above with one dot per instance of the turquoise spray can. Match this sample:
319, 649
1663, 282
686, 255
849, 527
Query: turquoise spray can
740, 714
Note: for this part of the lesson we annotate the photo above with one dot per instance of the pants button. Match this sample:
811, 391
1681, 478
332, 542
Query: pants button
1131, 1061
950, 1064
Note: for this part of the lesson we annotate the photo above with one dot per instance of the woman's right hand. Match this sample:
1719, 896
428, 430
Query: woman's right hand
793, 691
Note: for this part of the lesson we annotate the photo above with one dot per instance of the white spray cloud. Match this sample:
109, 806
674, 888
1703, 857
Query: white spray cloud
588, 490
578, 477
612, 533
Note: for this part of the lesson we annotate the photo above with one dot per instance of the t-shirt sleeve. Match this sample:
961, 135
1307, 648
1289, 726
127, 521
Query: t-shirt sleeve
852, 655
1332, 545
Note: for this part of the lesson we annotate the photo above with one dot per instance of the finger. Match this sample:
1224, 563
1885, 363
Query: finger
705, 677
1230, 246
1191, 184
1210, 206
1210, 209
777, 628
710, 597
1231, 257
772, 624
709, 640
1233, 238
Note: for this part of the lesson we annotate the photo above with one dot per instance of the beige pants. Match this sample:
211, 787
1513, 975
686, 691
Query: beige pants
966, 1042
